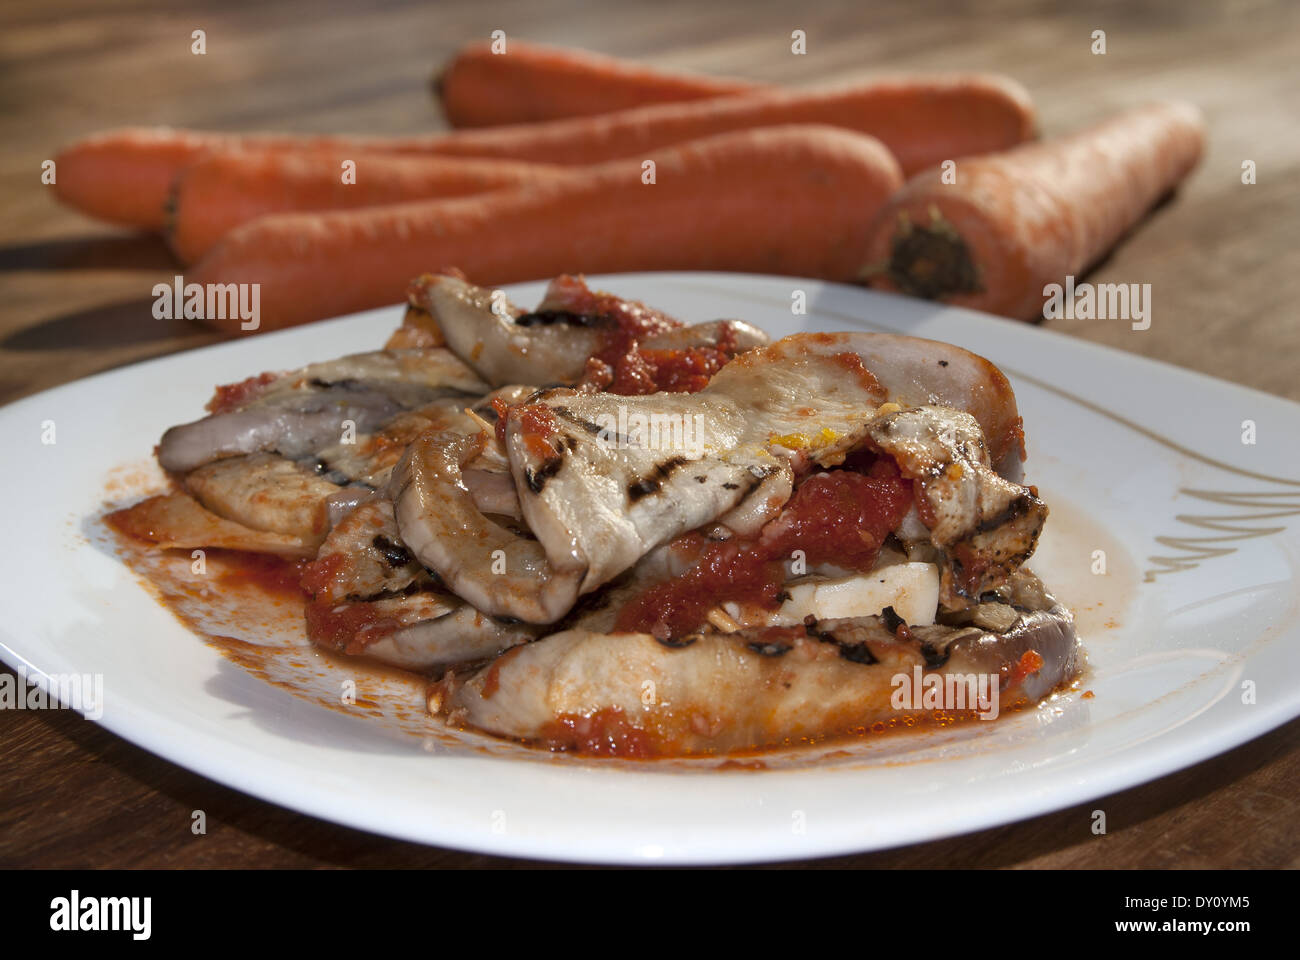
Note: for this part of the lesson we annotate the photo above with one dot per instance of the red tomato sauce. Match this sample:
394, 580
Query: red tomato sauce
605, 733
536, 425
275, 575
841, 517
347, 627
570, 294
1031, 661
623, 367
318, 575
229, 396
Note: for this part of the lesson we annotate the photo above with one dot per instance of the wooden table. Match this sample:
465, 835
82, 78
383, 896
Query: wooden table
1222, 258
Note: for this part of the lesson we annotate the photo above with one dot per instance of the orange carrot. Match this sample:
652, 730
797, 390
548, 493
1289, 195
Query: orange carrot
1017, 221
224, 188
122, 176
531, 82
922, 119
793, 200
125, 175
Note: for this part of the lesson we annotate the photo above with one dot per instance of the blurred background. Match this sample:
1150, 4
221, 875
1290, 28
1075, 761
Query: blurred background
1222, 257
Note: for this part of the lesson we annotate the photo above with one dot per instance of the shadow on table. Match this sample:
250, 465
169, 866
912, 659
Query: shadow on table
110, 325
137, 251
247, 831
1060, 832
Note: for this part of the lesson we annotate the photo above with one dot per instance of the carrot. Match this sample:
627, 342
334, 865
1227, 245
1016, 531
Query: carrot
224, 188
532, 82
922, 119
1014, 222
125, 175
793, 200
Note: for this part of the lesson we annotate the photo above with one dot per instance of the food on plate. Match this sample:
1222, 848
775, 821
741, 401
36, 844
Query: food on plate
597, 528
1013, 222
798, 209
574, 334
295, 412
755, 687
225, 188
531, 82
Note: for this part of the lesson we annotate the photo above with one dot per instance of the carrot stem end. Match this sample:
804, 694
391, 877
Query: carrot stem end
932, 261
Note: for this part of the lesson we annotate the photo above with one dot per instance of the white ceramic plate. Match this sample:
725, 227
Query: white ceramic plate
1192, 632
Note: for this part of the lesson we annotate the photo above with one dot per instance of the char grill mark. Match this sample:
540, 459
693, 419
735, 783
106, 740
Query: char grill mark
395, 555
891, 619
810, 627
773, 649
346, 383
759, 475
678, 643
1015, 509
547, 318
857, 653
410, 590
652, 483
594, 429
853, 652
536, 479
642, 488
325, 471
935, 657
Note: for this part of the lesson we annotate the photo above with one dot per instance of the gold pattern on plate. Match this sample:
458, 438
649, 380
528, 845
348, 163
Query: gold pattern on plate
1274, 504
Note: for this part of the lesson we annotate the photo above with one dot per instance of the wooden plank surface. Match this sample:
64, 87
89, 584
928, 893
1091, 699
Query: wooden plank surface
1222, 258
